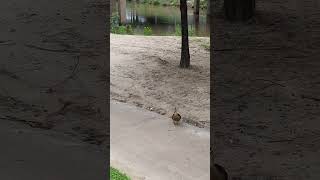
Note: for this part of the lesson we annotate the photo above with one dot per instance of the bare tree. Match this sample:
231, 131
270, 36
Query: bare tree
185, 56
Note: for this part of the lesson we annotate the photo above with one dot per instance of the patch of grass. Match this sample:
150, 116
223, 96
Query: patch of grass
121, 30
117, 175
178, 30
117, 28
191, 31
147, 31
162, 2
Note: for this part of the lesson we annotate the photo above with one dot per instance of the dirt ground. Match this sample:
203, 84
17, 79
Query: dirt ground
144, 71
266, 111
52, 66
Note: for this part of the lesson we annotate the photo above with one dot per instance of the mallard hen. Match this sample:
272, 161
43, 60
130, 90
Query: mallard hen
176, 117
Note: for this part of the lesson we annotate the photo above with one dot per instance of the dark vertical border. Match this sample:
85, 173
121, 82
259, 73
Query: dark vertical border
211, 86
107, 70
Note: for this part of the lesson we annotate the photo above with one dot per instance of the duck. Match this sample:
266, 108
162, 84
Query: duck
176, 117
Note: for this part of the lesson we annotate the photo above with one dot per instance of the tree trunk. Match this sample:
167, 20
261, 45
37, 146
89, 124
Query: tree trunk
122, 11
212, 37
185, 56
196, 7
239, 9
208, 8
196, 23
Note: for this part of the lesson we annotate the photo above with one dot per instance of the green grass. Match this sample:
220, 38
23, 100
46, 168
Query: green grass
161, 2
117, 175
119, 29
147, 31
191, 31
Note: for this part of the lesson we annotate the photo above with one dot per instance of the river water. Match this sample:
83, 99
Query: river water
163, 20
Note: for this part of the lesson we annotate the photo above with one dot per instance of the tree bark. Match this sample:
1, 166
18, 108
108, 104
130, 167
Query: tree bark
185, 56
196, 7
196, 23
122, 11
212, 37
208, 8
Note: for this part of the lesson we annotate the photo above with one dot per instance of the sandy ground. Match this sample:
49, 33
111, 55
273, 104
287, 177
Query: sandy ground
51, 68
266, 111
144, 72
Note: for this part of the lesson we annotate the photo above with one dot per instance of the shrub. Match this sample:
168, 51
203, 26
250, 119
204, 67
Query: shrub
156, 2
119, 29
114, 22
203, 4
147, 31
129, 29
122, 30
144, 1
174, 2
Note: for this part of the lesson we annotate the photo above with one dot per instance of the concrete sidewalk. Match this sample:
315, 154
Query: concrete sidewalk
35, 154
147, 146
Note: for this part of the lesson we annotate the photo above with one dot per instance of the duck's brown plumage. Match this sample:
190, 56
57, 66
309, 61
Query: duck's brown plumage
176, 117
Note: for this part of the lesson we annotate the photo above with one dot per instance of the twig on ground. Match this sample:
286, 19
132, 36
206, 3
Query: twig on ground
250, 92
62, 109
285, 140
9, 42
73, 73
33, 124
271, 82
311, 98
51, 50
258, 90
4, 71
282, 140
